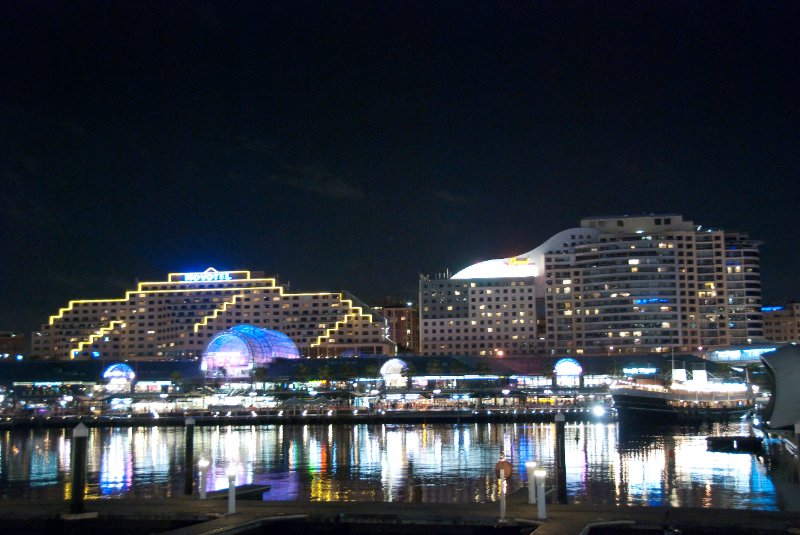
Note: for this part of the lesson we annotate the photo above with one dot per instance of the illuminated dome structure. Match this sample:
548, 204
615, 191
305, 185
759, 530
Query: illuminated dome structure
568, 372
119, 377
393, 372
235, 352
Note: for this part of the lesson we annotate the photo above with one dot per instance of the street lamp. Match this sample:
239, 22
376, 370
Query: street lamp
202, 464
530, 469
540, 477
231, 489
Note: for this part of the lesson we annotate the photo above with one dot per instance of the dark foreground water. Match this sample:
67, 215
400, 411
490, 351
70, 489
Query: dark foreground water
606, 464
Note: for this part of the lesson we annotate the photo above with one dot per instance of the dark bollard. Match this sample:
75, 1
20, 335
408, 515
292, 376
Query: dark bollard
188, 465
561, 461
80, 438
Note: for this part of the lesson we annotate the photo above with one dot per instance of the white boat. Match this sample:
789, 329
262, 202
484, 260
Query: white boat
697, 399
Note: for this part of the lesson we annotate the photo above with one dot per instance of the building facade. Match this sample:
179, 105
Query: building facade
613, 285
11, 344
782, 323
403, 326
653, 283
175, 319
484, 317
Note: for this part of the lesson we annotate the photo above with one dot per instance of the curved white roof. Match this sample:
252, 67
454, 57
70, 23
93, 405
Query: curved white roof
527, 264
499, 268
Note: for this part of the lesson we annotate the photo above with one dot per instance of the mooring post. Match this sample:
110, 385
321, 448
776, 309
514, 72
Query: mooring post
80, 438
561, 461
188, 464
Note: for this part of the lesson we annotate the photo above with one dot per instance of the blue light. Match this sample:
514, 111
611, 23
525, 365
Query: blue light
650, 300
95, 354
771, 309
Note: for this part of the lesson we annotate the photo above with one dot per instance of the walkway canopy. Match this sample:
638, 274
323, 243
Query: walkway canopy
236, 352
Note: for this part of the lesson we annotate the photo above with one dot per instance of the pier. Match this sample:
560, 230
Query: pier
182, 515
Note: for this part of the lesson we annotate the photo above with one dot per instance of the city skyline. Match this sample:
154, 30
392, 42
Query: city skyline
354, 147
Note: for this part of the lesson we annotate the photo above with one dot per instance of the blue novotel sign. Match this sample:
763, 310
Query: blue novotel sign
207, 276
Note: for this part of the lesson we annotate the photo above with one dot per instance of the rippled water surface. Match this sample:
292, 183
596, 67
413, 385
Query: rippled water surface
436, 463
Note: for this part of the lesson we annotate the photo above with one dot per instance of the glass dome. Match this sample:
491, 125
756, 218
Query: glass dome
235, 352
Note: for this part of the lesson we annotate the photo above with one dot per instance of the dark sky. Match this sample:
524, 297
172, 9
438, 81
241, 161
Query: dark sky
354, 145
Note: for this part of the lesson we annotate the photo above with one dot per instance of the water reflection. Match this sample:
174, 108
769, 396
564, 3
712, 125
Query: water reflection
443, 463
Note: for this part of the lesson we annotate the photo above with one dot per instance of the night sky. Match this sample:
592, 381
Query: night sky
355, 145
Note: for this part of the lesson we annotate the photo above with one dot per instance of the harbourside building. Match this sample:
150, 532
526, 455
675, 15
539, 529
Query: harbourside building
782, 323
403, 323
613, 285
177, 317
11, 344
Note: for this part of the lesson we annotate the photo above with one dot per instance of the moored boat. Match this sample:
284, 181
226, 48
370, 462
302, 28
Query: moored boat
681, 401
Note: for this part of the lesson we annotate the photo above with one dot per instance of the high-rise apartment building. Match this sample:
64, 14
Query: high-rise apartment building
175, 318
652, 283
613, 285
782, 323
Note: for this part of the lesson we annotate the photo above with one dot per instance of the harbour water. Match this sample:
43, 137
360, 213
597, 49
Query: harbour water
606, 464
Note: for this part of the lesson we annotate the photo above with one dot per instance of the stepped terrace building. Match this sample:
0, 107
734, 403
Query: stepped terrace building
177, 317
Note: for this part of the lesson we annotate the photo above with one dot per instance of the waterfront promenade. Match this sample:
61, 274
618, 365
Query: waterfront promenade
187, 515
309, 416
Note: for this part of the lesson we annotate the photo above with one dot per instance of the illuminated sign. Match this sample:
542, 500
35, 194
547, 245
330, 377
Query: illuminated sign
650, 300
207, 276
771, 309
740, 354
639, 371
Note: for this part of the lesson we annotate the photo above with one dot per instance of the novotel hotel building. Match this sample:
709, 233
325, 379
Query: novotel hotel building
175, 319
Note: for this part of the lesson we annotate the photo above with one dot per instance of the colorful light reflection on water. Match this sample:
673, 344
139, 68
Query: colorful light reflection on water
606, 465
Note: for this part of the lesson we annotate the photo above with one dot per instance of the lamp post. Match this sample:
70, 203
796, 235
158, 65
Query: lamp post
231, 489
202, 464
502, 485
530, 469
540, 478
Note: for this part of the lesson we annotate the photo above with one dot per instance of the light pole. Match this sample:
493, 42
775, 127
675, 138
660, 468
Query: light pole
540, 478
201, 485
231, 489
530, 469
